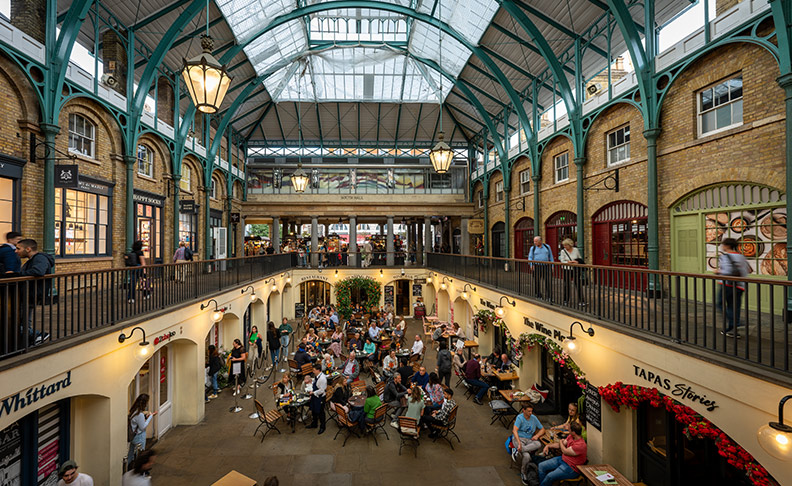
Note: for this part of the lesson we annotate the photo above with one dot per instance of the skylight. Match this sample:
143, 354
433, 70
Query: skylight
358, 54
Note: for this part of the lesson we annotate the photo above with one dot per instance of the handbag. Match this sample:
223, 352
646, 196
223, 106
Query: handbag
581, 274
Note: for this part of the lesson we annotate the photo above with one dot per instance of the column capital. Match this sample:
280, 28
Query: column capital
785, 81
579, 161
49, 129
652, 133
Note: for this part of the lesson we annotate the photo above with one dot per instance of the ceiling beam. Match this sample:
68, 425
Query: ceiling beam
158, 14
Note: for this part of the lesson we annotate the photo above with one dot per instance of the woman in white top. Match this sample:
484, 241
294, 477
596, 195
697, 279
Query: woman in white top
571, 256
139, 418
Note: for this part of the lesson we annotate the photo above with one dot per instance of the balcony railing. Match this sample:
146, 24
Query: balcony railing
684, 308
38, 311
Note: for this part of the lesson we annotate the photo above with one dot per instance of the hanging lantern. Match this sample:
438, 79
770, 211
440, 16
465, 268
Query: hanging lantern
441, 156
207, 80
299, 179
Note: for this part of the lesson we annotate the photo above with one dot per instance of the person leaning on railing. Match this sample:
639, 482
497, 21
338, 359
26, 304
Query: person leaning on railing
541, 252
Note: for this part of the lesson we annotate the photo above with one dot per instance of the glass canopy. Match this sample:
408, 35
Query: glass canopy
358, 54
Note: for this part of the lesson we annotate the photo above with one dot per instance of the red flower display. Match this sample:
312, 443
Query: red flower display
696, 426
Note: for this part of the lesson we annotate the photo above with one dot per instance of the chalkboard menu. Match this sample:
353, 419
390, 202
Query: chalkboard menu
299, 310
389, 294
593, 407
417, 290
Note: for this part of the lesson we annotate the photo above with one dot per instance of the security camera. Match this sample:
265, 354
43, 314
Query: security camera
109, 80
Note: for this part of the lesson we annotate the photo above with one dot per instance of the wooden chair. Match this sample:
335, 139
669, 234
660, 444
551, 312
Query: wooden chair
307, 369
379, 423
294, 368
408, 434
342, 419
338, 380
266, 418
444, 430
379, 388
577, 480
358, 386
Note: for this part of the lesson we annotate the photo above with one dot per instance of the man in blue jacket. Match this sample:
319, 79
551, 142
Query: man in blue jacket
540, 252
9, 261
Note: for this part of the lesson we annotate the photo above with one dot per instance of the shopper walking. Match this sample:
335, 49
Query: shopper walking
138, 420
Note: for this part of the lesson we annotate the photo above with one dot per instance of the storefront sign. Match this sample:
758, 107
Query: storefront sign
188, 206
487, 303
67, 176
476, 226
11, 167
419, 281
547, 331
305, 278
86, 184
13, 403
389, 294
680, 391
164, 337
299, 310
235, 217
148, 198
593, 407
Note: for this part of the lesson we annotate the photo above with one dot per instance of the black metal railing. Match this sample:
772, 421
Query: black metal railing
38, 311
692, 309
359, 259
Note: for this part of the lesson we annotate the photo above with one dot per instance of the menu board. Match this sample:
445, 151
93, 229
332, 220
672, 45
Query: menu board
299, 310
593, 407
417, 290
389, 294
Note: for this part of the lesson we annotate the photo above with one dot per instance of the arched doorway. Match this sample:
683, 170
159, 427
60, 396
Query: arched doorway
559, 226
463, 315
619, 239
402, 298
499, 240
443, 309
523, 237
313, 293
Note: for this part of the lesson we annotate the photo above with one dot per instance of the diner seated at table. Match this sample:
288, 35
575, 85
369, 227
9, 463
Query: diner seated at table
332, 319
328, 363
308, 384
437, 335
573, 417
472, 372
351, 368
398, 333
374, 331
415, 404
393, 394
459, 360
459, 336
573, 454
417, 347
421, 378
504, 364
369, 408
390, 364
311, 336
315, 313
405, 370
301, 356
284, 385
440, 417
354, 343
435, 392
526, 433
370, 350
335, 343
495, 357
341, 396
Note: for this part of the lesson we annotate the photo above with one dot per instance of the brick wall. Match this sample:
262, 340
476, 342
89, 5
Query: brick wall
495, 210
30, 16
114, 57
554, 196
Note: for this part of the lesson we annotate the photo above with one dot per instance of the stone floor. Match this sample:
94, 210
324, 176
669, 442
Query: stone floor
199, 455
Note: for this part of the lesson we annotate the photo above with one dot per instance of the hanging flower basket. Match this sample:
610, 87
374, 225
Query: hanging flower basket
695, 426
344, 294
484, 318
556, 352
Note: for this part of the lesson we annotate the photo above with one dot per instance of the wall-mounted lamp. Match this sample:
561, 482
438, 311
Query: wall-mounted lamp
402, 272
382, 275
253, 295
429, 277
217, 314
288, 278
500, 311
570, 343
443, 284
336, 274
274, 284
143, 350
465, 295
776, 437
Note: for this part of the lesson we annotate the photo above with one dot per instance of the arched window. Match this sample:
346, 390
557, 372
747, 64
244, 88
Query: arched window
82, 136
145, 163
619, 235
523, 237
559, 226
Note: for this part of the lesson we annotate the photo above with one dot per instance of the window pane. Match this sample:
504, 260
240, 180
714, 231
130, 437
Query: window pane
611, 139
736, 85
721, 94
723, 116
706, 100
708, 122
737, 111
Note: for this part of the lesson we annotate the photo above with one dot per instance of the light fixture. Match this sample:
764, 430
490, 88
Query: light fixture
381, 274
288, 278
143, 350
465, 295
776, 437
253, 295
207, 80
570, 343
500, 311
441, 154
336, 274
429, 278
402, 272
274, 284
217, 314
299, 179
443, 284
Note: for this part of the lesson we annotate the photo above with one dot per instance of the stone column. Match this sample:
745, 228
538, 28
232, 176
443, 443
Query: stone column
428, 246
314, 241
275, 234
464, 247
389, 260
419, 244
352, 257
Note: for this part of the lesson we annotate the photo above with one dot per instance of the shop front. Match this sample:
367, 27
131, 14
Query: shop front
154, 379
499, 240
188, 223
619, 239
558, 227
148, 223
523, 237
10, 192
314, 293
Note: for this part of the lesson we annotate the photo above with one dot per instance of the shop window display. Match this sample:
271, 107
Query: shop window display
761, 234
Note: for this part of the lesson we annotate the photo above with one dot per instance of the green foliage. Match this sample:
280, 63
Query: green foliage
259, 230
344, 294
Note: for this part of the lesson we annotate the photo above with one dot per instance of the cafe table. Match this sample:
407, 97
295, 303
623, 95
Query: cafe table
502, 375
357, 400
469, 345
511, 397
591, 471
297, 404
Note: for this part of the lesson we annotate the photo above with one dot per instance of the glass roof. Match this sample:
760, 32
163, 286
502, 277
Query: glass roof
357, 54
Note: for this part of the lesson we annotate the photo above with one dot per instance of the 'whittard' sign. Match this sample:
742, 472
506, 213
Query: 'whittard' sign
13, 403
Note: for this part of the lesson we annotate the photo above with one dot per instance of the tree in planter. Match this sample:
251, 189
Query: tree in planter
344, 294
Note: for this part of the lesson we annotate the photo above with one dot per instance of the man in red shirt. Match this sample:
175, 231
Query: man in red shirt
565, 466
472, 370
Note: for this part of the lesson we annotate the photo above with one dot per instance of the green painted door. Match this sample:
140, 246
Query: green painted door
686, 253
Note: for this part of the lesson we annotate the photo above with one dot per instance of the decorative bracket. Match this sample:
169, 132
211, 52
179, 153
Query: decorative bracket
609, 183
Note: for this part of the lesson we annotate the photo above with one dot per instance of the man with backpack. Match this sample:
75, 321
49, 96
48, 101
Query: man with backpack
444, 363
39, 291
731, 263
541, 252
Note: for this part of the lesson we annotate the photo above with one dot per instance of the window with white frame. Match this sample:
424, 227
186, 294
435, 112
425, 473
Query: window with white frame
213, 189
185, 183
619, 145
561, 165
499, 191
480, 199
525, 181
721, 106
82, 135
145, 164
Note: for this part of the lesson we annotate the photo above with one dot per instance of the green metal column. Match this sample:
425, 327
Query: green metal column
176, 211
785, 81
50, 131
580, 162
651, 196
507, 224
130, 203
207, 227
537, 228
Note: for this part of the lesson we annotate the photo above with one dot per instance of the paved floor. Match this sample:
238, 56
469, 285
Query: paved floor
201, 454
